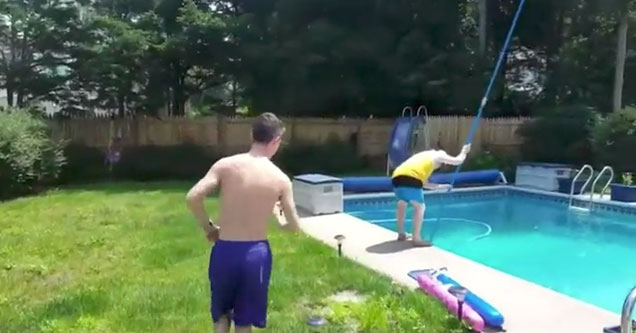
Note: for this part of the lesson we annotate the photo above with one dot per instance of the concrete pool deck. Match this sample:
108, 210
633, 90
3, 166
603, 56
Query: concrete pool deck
526, 307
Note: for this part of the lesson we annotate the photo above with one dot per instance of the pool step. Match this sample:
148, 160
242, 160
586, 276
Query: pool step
584, 210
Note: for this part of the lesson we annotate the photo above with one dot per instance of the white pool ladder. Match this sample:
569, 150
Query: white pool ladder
587, 182
628, 309
609, 181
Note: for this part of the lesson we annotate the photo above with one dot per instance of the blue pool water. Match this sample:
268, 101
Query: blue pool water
591, 257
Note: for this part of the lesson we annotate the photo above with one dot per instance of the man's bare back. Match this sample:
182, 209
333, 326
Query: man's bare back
250, 187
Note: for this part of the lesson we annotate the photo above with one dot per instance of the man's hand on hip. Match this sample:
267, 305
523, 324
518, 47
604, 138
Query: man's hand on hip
212, 233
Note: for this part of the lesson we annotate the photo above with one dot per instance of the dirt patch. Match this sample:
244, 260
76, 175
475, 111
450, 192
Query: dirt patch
347, 296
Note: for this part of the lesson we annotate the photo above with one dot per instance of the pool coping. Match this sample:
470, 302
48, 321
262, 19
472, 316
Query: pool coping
577, 200
546, 308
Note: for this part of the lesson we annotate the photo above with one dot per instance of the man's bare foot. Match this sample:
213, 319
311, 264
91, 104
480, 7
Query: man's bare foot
421, 243
401, 237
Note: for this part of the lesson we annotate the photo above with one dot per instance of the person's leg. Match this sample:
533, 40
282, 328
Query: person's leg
418, 210
418, 216
401, 212
243, 329
223, 273
222, 325
250, 308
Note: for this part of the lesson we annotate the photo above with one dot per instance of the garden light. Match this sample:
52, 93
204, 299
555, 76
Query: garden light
340, 239
460, 293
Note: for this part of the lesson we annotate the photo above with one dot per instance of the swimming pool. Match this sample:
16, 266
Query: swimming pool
534, 236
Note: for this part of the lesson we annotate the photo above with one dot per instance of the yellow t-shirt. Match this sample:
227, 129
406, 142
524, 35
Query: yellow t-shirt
419, 166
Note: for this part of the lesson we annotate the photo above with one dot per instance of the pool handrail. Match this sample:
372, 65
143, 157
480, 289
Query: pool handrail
426, 135
611, 179
578, 174
503, 179
409, 109
628, 309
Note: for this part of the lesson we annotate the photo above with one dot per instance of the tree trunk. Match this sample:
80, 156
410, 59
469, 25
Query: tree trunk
234, 106
553, 49
20, 101
10, 91
121, 105
483, 27
621, 53
178, 89
179, 97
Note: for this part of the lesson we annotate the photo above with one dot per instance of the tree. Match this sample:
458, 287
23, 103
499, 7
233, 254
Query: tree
194, 52
621, 53
137, 57
34, 37
483, 26
110, 70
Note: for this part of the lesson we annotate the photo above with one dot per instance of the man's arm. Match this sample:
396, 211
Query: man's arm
196, 196
289, 208
444, 158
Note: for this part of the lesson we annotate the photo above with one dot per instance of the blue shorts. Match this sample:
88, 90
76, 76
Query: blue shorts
239, 281
408, 194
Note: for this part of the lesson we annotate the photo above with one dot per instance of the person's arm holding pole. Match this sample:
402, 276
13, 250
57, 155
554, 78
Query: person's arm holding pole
444, 158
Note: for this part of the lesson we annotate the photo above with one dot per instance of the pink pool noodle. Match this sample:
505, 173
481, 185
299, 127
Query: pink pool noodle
437, 290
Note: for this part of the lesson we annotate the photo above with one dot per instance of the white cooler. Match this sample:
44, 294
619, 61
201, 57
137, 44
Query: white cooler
544, 176
318, 194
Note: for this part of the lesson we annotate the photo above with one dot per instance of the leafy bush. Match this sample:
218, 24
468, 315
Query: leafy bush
489, 160
83, 164
560, 135
29, 158
615, 140
187, 162
333, 157
628, 178
181, 162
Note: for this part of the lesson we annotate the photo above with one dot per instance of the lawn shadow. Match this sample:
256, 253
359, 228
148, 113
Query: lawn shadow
392, 246
125, 187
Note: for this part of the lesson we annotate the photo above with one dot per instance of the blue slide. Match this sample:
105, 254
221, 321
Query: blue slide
400, 143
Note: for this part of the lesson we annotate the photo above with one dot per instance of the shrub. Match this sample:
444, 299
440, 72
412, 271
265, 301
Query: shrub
29, 158
615, 140
560, 135
489, 160
83, 164
180, 162
333, 157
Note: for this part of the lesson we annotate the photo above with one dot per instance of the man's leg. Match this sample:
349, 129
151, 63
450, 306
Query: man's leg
250, 309
223, 273
401, 211
418, 216
223, 325
243, 329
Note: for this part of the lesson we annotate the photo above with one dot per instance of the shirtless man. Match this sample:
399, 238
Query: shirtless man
409, 179
240, 263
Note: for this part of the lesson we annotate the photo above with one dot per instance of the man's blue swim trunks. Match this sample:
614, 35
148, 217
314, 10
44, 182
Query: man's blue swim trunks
239, 281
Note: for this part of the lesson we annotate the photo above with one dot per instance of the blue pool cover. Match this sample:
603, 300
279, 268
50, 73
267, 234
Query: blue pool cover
383, 184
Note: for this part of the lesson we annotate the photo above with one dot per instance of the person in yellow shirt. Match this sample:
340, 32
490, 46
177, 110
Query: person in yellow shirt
409, 180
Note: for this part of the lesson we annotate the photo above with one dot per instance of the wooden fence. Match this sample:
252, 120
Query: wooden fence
230, 135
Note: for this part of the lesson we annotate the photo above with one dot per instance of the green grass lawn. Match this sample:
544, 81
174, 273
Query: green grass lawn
130, 258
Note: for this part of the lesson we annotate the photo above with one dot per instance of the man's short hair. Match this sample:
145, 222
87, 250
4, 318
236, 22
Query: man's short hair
266, 127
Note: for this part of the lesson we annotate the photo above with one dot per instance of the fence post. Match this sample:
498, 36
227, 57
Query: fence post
293, 130
221, 131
